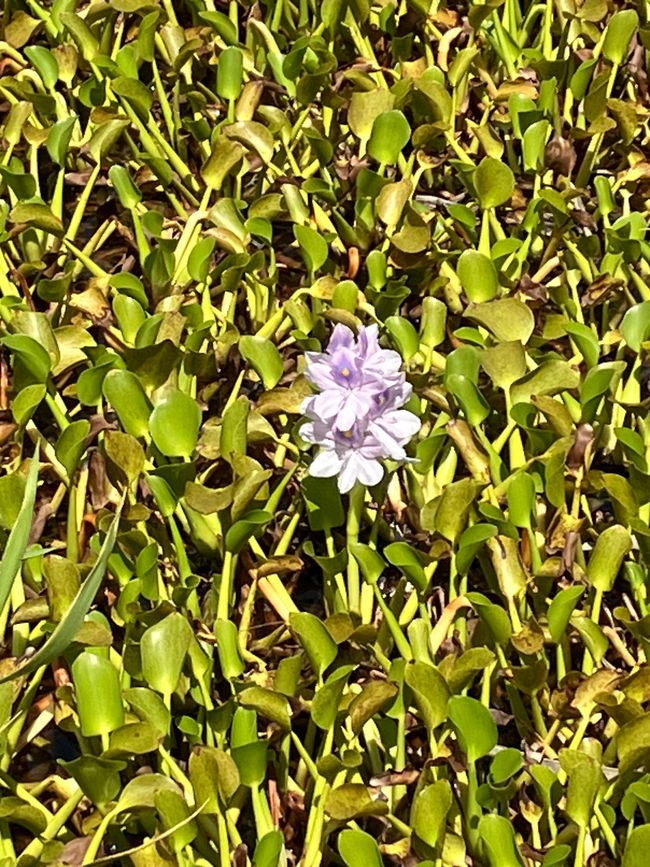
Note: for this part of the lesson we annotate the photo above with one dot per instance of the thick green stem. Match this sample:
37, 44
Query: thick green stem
357, 495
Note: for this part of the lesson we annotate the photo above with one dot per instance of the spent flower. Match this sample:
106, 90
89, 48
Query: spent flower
357, 417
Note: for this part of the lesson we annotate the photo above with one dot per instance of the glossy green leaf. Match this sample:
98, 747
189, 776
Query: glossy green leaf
316, 640
390, 134
174, 425
478, 276
498, 839
429, 813
230, 72
14, 549
127, 397
358, 849
560, 610
620, 30
494, 182
611, 548
313, 247
163, 649
635, 326
264, 358
98, 694
430, 690
474, 725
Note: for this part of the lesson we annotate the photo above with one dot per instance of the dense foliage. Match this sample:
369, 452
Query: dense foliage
212, 657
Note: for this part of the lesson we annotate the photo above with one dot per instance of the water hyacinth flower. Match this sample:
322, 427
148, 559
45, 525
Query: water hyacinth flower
357, 417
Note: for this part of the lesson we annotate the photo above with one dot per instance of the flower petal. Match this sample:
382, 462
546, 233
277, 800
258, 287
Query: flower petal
348, 474
342, 336
327, 404
370, 472
325, 465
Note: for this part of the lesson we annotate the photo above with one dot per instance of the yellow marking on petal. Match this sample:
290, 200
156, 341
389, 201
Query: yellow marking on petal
347, 434
346, 372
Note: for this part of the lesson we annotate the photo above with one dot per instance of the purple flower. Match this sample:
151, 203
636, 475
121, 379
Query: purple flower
349, 374
357, 418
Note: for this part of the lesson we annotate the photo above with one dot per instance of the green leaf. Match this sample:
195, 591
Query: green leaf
98, 778
174, 425
16, 544
72, 444
585, 779
252, 524
404, 335
494, 617
494, 182
98, 694
314, 637
58, 139
63, 582
81, 33
324, 504
551, 377
429, 813
33, 357
409, 561
163, 649
620, 30
507, 318
391, 202
263, 356
504, 363
37, 215
511, 576
505, 765
453, 507
611, 548
104, 137
149, 706
254, 135
66, 630
198, 264
214, 777
122, 389
353, 800
430, 690
225, 156
45, 63
475, 726
371, 562
173, 811
478, 276
230, 72
373, 698
133, 739
586, 341
521, 499
227, 636
534, 145
635, 326
460, 671
313, 247
129, 195
358, 849
637, 847
365, 107
141, 792
135, 93
498, 838
269, 704
26, 402
390, 133
560, 610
